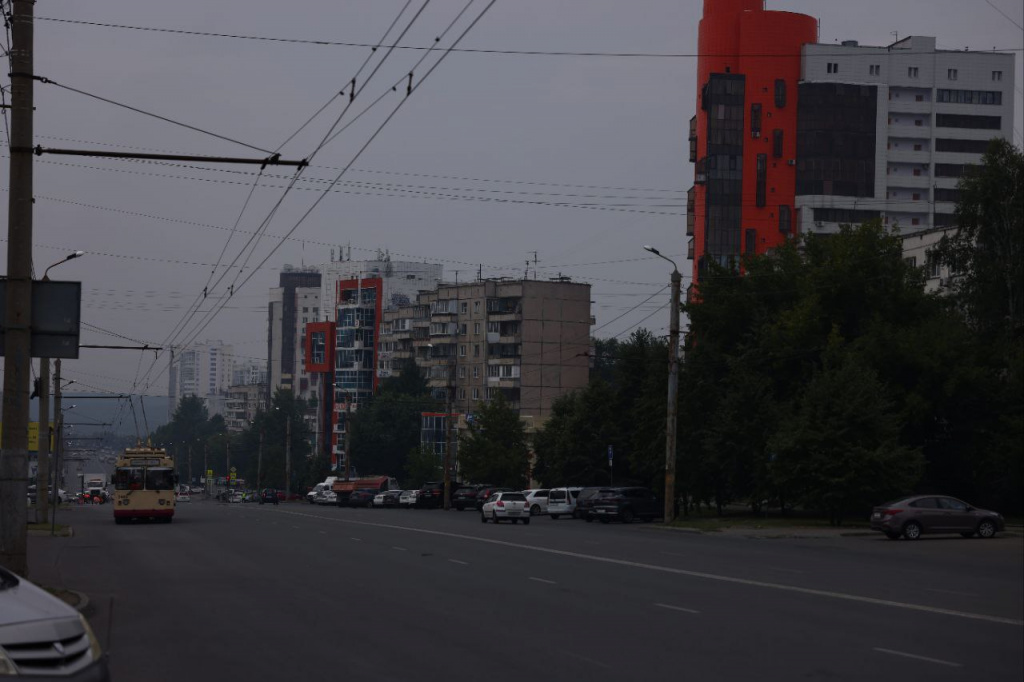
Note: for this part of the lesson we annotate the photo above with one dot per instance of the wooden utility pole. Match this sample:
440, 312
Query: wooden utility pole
288, 458
43, 471
18, 322
673, 388
259, 464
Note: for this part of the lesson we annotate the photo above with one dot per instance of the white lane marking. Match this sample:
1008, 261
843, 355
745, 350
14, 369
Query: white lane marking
542, 580
780, 568
356, 539
676, 608
323, 532
400, 549
295, 527
585, 658
461, 563
919, 658
962, 594
693, 574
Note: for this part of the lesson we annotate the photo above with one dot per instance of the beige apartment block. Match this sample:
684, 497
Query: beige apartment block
525, 339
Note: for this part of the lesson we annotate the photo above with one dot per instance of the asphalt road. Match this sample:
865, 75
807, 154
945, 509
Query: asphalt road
249, 592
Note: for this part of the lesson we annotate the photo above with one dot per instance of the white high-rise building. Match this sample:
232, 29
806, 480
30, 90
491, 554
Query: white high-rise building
292, 305
401, 280
887, 132
203, 370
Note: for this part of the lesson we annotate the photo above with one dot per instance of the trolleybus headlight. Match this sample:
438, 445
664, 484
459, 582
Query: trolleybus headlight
94, 644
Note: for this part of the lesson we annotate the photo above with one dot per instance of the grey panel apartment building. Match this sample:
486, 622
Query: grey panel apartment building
887, 132
526, 339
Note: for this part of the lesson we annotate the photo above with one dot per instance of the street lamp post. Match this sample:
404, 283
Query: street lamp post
673, 387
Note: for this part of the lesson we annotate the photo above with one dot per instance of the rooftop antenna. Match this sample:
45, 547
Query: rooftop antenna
895, 36
480, 272
535, 265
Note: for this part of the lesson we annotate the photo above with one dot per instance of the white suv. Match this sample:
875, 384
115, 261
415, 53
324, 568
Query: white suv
506, 506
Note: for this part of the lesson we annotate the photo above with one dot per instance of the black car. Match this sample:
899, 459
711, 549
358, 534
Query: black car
465, 497
268, 496
483, 494
431, 495
586, 500
625, 504
361, 498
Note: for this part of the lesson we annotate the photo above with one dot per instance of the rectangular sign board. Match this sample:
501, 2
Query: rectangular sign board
56, 317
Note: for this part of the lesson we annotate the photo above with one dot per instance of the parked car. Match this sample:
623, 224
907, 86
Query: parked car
378, 500
584, 502
431, 495
391, 498
183, 496
505, 505
485, 494
41, 637
537, 500
268, 496
912, 517
625, 504
562, 501
361, 498
465, 497
235, 497
407, 499
325, 497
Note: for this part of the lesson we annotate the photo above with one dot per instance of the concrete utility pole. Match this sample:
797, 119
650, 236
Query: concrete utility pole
43, 473
58, 441
673, 388
206, 471
448, 446
227, 461
18, 322
288, 458
259, 464
348, 433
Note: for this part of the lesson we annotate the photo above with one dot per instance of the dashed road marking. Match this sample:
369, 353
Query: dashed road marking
679, 571
461, 563
542, 580
400, 549
916, 657
676, 608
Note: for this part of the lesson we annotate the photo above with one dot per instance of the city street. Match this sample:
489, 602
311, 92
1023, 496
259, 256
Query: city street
293, 591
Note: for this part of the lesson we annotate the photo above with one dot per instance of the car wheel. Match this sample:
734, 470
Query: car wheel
526, 522
912, 530
535, 510
494, 517
986, 529
555, 516
627, 515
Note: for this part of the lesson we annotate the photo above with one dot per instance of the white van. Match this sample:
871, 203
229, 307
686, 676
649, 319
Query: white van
562, 501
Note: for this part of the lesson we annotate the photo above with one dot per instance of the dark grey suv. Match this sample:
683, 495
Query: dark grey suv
911, 517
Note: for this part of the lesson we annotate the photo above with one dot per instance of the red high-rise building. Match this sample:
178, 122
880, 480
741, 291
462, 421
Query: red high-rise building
743, 138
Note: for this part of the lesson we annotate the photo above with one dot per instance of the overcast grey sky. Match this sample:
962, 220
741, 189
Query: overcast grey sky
589, 130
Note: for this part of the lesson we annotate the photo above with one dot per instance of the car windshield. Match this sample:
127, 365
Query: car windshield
513, 497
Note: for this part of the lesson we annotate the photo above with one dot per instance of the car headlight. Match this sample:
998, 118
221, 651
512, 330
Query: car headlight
6, 666
94, 644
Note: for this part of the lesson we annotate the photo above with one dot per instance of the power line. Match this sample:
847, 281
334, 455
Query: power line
551, 53
1005, 15
148, 113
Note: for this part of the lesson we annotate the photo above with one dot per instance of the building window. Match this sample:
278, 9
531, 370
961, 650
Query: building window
462, 394
917, 122
832, 67
780, 93
462, 351
932, 264
997, 76
915, 221
910, 261
476, 394
464, 307
991, 97
476, 327
462, 329
912, 72
476, 350
785, 219
917, 172
755, 120
961, 146
462, 372
762, 179
476, 306
951, 74
918, 98
916, 196
749, 241
777, 143
875, 69
968, 121
947, 194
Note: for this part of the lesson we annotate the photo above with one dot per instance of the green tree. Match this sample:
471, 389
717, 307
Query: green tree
572, 447
494, 449
840, 452
987, 251
422, 466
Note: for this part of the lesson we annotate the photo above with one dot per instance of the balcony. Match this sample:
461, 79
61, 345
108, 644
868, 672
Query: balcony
689, 249
691, 220
700, 173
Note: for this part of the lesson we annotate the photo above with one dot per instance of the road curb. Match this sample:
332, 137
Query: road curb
83, 600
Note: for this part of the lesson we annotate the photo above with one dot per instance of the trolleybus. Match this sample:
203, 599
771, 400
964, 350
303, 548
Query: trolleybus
144, 483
